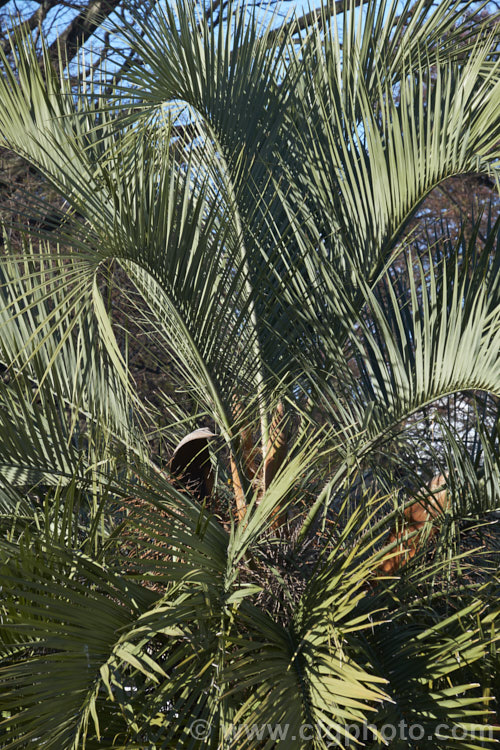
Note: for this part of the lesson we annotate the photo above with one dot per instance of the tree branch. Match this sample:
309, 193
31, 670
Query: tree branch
30, 23
82, 27
313, 16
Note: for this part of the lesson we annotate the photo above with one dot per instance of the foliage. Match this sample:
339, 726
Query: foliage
256, 188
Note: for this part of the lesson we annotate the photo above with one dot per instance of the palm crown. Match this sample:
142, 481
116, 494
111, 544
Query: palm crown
256, 186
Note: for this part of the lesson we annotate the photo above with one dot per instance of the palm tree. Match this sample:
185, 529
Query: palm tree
256, 188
